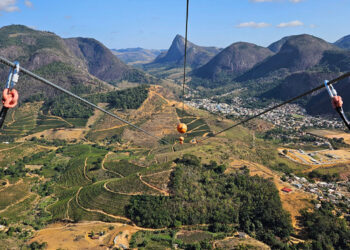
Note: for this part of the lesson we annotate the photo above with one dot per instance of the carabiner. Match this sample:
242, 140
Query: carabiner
9, 95
337, 103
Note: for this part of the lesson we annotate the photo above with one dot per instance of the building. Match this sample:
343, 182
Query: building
287, 190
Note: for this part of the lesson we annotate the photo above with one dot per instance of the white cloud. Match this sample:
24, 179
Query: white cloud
295, 1
312, 26
290, 24
8, 5
28, 3
252, 25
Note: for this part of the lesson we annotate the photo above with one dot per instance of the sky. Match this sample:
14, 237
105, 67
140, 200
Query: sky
153, 24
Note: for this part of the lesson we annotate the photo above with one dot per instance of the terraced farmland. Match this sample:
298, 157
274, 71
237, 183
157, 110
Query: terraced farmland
131, 185
96, 198
196, 126
13, 194
123, 167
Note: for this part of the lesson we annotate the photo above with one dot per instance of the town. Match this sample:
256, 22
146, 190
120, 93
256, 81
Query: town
289, 116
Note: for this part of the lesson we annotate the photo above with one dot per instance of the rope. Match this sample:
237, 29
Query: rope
185, 59
280, 105
39, 78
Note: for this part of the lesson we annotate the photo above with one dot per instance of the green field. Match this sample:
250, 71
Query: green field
97, 198
123, 167
131, 185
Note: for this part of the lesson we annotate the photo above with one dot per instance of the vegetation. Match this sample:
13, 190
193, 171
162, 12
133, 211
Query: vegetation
68, 107
123, 167
325, 228
204, 196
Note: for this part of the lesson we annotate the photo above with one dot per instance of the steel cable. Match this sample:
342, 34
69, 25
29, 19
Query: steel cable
43, 80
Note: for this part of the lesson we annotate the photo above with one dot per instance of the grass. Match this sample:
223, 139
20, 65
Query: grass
21, 120
131, 185
160, 180
58, 209
123, 167
20, 211
105, 134
151, 240
196, 127
194, 236
77, 122
333, 170
45, 122
12, 194
96, 197
76, 213
74, 175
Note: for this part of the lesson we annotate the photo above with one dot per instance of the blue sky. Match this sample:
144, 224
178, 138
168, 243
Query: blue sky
154, 23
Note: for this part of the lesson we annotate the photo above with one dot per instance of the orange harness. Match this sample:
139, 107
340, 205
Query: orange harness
9, 98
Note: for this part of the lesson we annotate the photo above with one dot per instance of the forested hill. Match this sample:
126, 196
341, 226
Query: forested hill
66, 62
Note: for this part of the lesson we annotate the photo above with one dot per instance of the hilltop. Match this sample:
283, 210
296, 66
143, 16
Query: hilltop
233, 60
343, 42
196, 55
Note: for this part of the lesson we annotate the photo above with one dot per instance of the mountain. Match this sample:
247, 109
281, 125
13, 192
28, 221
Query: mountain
343, 42
98, 59
326, 62
234, 60
276, 46
196, 55
136, 55
298, 53
47, 55
68, 62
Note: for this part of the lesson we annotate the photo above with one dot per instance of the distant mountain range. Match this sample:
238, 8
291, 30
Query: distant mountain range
68, 62
133, 56
196, 55
284, 69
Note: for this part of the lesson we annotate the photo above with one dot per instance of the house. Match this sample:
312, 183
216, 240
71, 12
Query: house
297, 185
287, 190
242, 235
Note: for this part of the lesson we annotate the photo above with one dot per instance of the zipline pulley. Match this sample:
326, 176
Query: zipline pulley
337, 103
9, 94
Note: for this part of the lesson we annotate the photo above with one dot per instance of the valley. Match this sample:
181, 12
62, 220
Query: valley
75, 178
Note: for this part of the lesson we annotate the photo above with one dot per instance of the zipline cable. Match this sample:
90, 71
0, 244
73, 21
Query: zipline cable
185, 59
39, 78
279, 105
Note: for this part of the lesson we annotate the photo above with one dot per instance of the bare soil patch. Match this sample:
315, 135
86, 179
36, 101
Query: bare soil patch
76, 236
